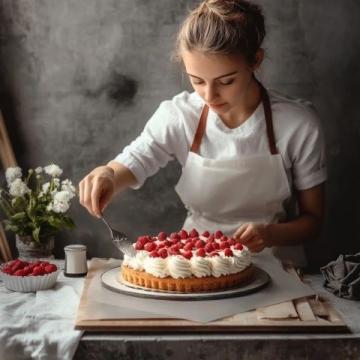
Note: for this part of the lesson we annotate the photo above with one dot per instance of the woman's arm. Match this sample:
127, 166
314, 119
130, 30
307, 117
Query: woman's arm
306, 226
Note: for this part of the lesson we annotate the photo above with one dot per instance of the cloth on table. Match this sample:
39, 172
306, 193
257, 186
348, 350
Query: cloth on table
40, 325
342, 276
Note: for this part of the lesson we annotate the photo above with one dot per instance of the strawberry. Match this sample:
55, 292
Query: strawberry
50, 268
163, 253
183, 234
154, 254
188, 241
7, 270
139, 245
38, 270
238, 246
44, 264
27, 270
173, 250
193, 233
216, 245
188, 246
161, 244
187, 254
224, 245
162, 235
150, 246
19, 272
224, 238
210, 239
232, 241
200, 244
209, 247
200, 252
228, 252
205, 234
218, 234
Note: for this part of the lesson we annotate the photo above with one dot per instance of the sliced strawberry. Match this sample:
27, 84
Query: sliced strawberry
187, 254
205, 234
50, 268
173, 250
238, 246
162, 235
150, 246
228, 252
218, 234
201, 252
163, 253
38, 270
193, 233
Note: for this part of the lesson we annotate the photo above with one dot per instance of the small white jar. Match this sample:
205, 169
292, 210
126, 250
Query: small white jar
75, 260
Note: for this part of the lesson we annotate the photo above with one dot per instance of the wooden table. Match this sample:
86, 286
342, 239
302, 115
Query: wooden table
195, 345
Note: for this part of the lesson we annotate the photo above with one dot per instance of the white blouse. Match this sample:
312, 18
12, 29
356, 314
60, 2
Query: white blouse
170, 132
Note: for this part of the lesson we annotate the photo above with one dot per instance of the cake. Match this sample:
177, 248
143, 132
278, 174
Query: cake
187, 262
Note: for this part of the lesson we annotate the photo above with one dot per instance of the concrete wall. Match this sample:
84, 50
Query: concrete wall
80, 78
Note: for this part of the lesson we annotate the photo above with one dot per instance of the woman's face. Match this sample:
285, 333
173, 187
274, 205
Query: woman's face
221, 80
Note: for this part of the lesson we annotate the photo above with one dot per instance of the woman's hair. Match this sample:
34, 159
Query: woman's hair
222, 27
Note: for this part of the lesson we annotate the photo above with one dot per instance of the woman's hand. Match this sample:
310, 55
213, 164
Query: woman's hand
96, 189
255, 236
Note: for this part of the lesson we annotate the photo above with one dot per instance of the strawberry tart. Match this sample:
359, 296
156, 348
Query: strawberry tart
187, 262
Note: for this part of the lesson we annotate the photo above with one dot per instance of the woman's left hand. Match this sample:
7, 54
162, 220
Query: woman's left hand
254, 236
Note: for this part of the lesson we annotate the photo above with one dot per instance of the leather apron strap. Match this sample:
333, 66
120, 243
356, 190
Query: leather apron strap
268, 119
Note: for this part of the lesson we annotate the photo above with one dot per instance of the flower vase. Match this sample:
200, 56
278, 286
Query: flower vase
28, 248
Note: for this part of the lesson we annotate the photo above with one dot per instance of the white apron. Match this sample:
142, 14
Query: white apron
224, 194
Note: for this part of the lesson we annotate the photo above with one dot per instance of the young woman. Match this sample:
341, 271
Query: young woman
245, 152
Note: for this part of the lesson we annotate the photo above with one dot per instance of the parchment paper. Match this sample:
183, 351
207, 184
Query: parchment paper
106, 304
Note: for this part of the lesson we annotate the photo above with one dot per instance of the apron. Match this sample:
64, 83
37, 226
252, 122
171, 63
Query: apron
223, 194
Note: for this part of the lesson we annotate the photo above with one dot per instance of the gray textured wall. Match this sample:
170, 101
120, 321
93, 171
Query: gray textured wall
80, 78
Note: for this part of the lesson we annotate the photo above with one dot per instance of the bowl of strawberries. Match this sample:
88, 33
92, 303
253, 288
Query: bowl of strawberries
26, 276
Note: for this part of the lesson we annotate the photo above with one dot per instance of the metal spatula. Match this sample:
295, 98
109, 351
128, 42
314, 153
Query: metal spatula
120, 240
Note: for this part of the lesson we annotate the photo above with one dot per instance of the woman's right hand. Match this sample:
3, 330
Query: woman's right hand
97, 189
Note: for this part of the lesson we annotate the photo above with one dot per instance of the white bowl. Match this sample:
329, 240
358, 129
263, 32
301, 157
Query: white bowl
29, 283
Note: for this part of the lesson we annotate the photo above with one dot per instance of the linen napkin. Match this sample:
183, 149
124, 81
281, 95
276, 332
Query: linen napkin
342, 276
40, 325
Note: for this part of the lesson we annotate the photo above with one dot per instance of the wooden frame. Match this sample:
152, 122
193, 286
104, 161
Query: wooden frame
7, 159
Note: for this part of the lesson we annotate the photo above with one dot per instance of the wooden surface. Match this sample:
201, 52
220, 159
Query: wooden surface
300, 315
7, 159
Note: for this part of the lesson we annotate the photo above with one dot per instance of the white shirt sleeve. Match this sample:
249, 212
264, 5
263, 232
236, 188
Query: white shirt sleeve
308, 153
162, 140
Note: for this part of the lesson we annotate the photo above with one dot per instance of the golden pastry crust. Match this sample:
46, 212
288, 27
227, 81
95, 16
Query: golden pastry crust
187, 285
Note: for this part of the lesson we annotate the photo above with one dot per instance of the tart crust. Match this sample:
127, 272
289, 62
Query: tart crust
187, 285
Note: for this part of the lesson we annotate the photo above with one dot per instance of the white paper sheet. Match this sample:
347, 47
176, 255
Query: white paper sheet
106, 304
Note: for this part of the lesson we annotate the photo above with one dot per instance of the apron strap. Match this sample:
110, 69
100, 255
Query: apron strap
268, 120
200, 130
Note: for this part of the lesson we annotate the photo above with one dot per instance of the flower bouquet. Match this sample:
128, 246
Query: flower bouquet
35, 207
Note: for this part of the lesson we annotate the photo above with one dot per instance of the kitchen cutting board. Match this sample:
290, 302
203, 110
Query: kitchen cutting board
300, 315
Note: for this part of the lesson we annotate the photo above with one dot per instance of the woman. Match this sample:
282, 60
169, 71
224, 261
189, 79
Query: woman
245, 152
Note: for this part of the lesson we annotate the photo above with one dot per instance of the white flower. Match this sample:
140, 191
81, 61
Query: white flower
12, 173
45, 187
61, 201
18, 188
53, 170
39, 170
67, 185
